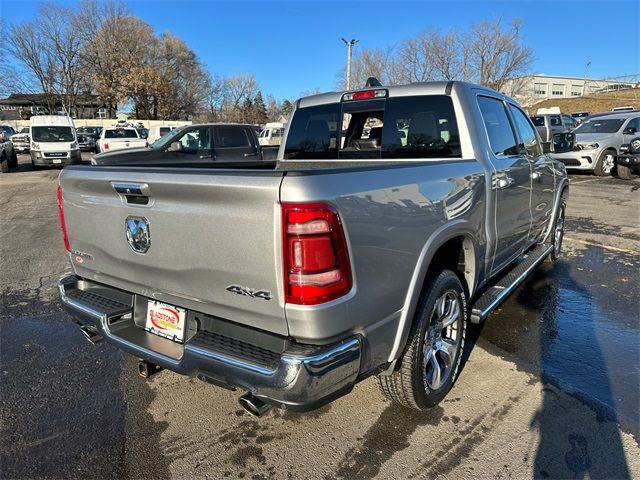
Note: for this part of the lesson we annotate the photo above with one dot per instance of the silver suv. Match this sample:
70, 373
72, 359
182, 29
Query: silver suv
598, 141
549, 124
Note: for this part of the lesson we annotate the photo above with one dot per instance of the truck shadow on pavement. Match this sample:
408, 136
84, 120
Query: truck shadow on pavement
553, 319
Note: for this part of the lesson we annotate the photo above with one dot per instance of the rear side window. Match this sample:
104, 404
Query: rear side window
496, 123
555, 121
395, 128
231, 137
164, 131
538, 121
313, 133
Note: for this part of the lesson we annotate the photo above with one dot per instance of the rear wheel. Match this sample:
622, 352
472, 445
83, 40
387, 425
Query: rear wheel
605, 163
14, 159
624, 172
430, 363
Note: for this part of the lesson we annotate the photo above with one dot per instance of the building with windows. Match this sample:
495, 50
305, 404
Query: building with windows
21, 106
531, 89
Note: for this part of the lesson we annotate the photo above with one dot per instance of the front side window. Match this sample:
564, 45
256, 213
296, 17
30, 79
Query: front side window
194, 140
555, 121
52, 134
528, 140
501, 137
634, 123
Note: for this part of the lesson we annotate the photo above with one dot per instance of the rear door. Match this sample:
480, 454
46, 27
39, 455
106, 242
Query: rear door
235, 143
511, 183
214, 237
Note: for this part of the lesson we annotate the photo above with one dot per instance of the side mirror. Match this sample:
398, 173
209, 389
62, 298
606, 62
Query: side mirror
175, 147
630, 130
563, 142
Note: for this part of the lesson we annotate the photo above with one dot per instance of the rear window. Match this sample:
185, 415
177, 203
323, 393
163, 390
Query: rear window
394, 128
538, 121
121, 133
164, 131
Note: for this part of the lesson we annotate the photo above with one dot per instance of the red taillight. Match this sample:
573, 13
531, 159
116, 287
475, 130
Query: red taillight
316, 262
63, 224
364, 95
106, 147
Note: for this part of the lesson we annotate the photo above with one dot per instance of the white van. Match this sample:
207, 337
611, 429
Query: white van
158, 131
271, 134
53, 141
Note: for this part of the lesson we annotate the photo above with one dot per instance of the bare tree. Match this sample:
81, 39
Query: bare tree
496, 53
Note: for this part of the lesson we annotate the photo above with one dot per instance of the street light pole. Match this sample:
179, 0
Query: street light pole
586, 74
349, 44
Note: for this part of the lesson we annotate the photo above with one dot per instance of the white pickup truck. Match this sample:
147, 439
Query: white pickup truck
118, 138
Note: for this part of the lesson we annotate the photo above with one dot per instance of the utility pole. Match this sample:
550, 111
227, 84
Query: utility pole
349, 44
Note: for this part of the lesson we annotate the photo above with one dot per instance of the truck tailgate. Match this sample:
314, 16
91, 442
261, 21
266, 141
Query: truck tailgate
209, 230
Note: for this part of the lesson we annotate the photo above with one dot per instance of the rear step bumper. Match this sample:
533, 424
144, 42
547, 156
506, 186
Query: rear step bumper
301, 378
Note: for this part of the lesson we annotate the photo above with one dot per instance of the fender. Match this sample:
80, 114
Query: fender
456, 228
562, 186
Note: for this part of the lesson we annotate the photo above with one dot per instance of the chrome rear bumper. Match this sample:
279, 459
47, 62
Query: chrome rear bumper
301, 377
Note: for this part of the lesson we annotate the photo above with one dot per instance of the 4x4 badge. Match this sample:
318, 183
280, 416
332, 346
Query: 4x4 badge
263, 294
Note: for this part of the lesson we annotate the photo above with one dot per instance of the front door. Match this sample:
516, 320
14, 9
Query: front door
542, 176
511, 184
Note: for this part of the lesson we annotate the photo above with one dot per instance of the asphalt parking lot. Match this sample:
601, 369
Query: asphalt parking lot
550, 389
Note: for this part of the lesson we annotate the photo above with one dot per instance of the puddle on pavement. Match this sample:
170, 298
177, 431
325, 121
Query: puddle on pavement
576, 324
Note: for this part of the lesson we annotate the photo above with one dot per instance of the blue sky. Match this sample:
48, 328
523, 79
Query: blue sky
291, 47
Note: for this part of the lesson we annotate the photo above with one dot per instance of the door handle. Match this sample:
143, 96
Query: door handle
536, 176
505, 182
250, 154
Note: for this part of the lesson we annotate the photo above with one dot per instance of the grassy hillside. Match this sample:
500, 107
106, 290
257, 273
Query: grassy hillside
597, 102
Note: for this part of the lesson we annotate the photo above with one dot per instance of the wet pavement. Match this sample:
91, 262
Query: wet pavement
550, 389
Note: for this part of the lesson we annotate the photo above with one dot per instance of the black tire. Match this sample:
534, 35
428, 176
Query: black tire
600, 170
34, 166
4, 163
557, 232
624, 172
14, 159
412, 384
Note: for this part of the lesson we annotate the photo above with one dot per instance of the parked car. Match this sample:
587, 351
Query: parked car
86, 142
158, 131
8, 157
598, 142
120, 138
297, 279
579, 117
549, 124
271, 134
196, 144
628, 160
21, 141
53, 141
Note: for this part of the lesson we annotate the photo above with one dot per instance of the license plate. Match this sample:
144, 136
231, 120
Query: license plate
166, 320
57, 160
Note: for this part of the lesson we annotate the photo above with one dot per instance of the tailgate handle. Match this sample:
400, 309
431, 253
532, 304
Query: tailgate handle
132, 193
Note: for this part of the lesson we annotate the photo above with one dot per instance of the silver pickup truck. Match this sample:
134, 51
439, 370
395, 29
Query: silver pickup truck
392, 217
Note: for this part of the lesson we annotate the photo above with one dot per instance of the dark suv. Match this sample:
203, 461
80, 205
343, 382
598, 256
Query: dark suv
628, 162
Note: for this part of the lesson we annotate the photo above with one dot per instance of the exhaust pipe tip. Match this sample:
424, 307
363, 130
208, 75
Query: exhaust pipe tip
253, 405
90, 334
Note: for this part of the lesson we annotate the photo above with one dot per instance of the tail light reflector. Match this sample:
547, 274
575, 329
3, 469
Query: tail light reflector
316, 261
106, 147
63, 224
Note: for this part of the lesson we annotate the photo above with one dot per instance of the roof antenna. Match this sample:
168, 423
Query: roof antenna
372, 82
